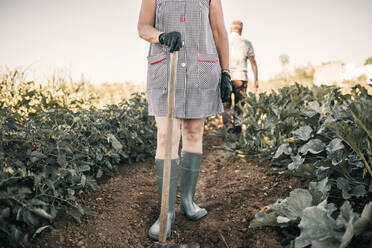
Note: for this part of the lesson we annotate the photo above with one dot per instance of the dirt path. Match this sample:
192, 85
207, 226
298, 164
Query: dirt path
127, 205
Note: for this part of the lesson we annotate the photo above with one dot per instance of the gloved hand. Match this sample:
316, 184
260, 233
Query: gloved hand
226, 87
172, 40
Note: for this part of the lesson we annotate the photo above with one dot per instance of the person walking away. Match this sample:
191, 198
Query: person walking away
241, 50
196, 29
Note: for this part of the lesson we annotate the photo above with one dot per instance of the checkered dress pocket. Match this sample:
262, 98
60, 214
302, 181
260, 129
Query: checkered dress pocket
157, 73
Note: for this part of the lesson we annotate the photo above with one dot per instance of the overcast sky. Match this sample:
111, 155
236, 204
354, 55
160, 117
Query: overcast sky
99, 38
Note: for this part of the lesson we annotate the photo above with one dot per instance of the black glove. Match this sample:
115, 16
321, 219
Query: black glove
172, 40
226, 87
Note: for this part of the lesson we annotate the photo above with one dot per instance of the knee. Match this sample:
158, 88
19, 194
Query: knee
162, 138
192, 135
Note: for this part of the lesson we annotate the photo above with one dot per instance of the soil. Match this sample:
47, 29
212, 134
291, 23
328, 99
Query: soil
232, 190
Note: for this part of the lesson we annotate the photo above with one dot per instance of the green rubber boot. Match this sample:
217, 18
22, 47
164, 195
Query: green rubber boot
154, 230
189, 177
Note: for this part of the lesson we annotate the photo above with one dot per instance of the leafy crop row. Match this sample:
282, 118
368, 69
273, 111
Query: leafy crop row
53, 144
28, 98
316, 133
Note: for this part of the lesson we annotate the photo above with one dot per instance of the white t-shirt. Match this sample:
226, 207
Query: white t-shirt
240, 50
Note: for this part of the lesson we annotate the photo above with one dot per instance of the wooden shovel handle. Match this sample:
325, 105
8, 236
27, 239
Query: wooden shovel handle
168, 148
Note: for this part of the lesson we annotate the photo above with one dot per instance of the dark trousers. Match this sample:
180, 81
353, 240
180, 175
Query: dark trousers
239, 87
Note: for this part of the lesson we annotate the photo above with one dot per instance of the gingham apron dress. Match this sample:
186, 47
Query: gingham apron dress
198, 69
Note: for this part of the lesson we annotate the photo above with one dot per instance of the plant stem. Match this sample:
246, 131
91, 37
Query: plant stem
58, 198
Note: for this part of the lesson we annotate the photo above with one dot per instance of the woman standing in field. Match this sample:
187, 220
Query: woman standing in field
196, 29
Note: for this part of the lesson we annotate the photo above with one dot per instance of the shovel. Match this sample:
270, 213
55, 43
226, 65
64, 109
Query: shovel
168, 153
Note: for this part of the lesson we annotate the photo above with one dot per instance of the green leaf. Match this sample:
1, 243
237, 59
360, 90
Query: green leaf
91, 182
37, 202
326, 242
297, 162
53, 211
344, 185
292, 206
71, 192
315, 106
99, 155
335, 145
364, 223
17, 236
283, 149
83, 180
89, 211
346, 213
5, 213
29, 218
315, 224
99, 173
263, 219
84, 168
42, 213
50, 185
19, 213
75, 214
352, 136
124, 154
359, 191
282, 220
303, 133
108, 164
36, 156
114, 142
348, 217
320, 186
314, 146
362, 114
61, 159
24, 191
81, 209
40, 229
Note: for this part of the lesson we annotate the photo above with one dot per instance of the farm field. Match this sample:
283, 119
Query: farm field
76, 172
292, 168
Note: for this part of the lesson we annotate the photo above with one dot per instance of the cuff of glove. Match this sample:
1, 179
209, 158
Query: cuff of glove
227, 74
160, 38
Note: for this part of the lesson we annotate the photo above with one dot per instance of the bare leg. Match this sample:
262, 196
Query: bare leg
239, 87
161, 123
192, 135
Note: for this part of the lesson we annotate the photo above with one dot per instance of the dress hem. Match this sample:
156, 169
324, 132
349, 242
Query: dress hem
188, 117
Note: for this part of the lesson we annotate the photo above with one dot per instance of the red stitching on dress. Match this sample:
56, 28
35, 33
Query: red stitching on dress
208, 61
182, 19
158, 61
